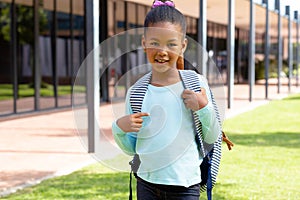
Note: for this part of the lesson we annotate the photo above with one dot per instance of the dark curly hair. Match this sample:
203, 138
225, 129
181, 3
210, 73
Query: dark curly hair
165, 13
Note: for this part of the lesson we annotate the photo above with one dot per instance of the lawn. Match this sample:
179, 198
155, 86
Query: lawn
27, 90
264, 163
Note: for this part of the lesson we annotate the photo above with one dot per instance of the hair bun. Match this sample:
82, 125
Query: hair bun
158, 3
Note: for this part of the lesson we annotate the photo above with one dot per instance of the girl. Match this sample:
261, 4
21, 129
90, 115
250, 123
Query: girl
162, 133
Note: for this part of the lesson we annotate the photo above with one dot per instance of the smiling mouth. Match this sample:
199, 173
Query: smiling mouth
161, 60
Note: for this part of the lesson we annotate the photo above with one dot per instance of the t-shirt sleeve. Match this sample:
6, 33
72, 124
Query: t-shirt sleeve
126, 141
210, 125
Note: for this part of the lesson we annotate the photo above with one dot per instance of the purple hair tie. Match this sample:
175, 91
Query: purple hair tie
160, 3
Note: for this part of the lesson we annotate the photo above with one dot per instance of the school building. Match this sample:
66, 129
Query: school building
44, 42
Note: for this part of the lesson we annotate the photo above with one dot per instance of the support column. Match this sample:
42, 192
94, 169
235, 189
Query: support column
230, 51
290, 46
54, 53
202, 36
279, 47
296, 17
72, 46
13, 60
127, 46
267, 49
92, 76
36, 56
251, 66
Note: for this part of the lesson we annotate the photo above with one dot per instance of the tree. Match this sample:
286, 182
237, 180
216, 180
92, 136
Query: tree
25, 23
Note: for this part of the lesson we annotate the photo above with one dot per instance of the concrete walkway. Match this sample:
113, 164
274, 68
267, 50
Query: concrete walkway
38, 147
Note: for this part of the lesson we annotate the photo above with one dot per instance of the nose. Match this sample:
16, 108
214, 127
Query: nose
162, 51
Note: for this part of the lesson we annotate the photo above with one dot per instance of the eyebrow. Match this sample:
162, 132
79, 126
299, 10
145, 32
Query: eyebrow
171, 40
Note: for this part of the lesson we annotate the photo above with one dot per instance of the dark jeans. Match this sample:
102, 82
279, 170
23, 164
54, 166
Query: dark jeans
150, 191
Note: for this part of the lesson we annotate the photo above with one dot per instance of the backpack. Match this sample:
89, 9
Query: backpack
211, 153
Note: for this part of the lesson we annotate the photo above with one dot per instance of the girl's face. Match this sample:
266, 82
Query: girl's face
164, 43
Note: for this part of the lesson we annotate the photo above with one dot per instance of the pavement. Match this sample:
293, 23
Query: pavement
41, 146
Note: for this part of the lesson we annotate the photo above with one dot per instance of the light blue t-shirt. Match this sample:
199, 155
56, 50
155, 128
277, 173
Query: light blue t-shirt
166, 143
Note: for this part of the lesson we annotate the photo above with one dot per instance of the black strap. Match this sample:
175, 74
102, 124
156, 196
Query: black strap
130, 186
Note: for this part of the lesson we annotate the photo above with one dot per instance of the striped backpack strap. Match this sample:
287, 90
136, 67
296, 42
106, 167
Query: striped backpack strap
190, 81
212, 154
138, 92
216, 157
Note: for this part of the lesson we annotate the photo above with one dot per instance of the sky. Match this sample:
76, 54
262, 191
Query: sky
294, 5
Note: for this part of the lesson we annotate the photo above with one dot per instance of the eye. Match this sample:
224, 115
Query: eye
172, 45
155, 44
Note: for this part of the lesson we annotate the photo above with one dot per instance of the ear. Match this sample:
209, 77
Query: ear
143, 42
180, 60
184, 45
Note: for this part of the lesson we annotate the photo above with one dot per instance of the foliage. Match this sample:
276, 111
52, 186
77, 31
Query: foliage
25, 23
260, 69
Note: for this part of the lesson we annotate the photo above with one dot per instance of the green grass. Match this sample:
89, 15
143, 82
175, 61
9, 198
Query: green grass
93, 182
263, 165
26, 90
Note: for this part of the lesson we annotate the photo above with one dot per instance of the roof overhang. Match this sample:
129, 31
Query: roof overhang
217, 12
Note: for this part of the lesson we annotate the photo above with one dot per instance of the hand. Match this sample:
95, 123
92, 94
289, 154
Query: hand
131, 123
194, 100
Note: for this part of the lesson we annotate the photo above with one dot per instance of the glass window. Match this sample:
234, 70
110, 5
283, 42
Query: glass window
119, 17
131, 15
64, 39
141, 15
6, 68
63, 53
110, 18
25, 55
